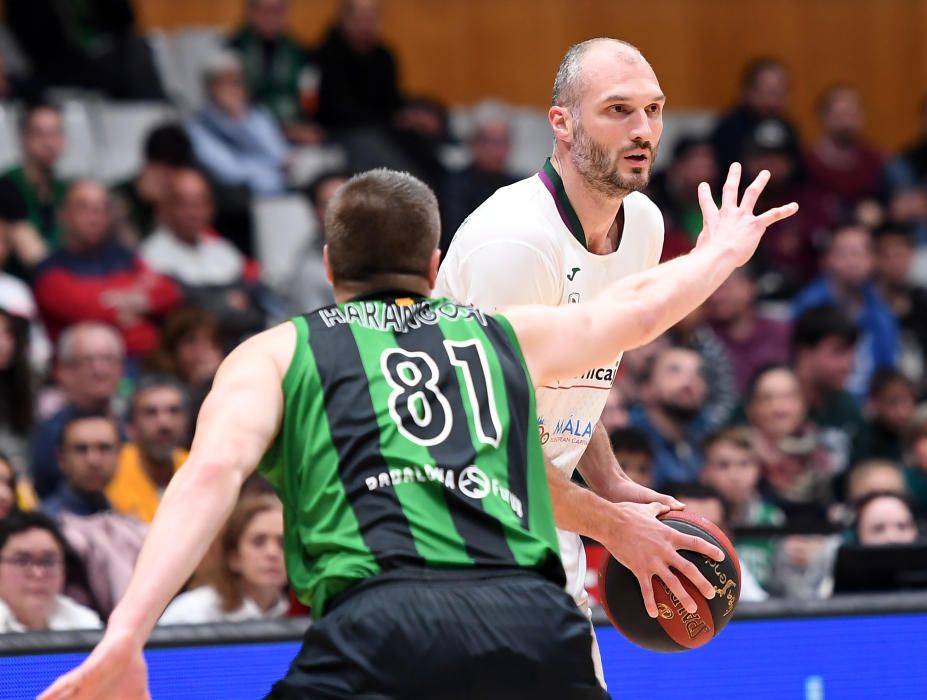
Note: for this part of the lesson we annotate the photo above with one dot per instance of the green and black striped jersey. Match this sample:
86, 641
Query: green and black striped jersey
408, 441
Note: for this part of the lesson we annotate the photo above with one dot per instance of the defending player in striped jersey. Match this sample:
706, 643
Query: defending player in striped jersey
400, 434
560, 237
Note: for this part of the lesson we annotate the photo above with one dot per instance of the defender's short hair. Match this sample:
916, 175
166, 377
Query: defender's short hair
381, 222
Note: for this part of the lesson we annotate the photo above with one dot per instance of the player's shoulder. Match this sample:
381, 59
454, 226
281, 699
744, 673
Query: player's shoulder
276, 346
643, 215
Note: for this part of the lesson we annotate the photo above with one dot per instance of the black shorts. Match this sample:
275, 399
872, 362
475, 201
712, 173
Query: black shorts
512, 637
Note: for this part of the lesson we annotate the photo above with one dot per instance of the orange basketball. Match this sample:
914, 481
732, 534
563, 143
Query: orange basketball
674, 629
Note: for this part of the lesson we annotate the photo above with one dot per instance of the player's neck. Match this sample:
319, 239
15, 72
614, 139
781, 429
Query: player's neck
345, 290
598, 214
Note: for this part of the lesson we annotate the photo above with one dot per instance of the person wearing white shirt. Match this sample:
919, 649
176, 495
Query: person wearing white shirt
248, 580
32, 575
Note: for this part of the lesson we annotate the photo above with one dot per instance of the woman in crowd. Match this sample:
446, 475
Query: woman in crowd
32, 578
248, 580
16, 396
885, 517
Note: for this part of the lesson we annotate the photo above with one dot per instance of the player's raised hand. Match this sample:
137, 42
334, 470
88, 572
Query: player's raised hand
114, 671
649, 548
734, 225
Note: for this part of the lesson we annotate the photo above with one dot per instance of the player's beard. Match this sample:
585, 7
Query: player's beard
600, 169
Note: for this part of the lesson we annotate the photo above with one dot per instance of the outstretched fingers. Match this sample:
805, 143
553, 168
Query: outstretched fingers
753, 192
707, 205
768, 218
731, 185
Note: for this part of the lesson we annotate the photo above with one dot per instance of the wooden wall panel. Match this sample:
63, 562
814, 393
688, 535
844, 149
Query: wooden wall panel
463, 50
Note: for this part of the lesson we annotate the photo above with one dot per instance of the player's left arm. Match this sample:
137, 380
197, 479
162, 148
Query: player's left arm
237, 423
604, 475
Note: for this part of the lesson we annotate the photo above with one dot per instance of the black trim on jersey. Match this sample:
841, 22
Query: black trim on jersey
356, 436
482, 534
519, 399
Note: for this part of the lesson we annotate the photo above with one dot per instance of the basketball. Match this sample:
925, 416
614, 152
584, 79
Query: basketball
674, 629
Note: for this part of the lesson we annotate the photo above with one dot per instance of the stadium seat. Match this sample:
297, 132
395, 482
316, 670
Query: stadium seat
123, 128
188, 51
283, 227
9, 136
80, 121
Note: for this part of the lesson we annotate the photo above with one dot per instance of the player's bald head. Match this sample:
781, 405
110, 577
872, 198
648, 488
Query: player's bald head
586, 57
381, 222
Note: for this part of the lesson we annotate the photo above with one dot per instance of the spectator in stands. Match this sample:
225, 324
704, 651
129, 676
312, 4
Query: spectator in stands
751, 339
671, 413
8, 486
875, 476
889, 412
908, 170
274, 65
90, 45
90, 364
732, 468
17, 404
32, 577
894, 248
310, 288
158, 427
632, 449
707, 502
823, 351
675, 190
16, 299
31, 193
107, 543
191, 350
848, 265
87, 452
615, 413
787, 256
915, 470
250, 579
490, 145
885, 518
214, 274
138, 201
238, 144
842, 167
764, 95
797, 468
93, 279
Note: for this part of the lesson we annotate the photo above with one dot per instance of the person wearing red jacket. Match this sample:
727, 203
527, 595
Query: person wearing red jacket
91, 278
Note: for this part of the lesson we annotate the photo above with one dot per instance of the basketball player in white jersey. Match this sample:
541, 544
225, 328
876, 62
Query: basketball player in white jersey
559, 237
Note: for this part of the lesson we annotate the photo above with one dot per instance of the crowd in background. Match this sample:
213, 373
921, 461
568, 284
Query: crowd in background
788, 402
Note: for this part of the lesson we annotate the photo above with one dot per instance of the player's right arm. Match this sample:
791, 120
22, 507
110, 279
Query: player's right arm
237, 423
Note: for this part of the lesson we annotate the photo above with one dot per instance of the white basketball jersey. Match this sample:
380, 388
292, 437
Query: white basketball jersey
525, 245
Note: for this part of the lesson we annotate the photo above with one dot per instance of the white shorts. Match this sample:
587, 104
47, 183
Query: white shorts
573, 555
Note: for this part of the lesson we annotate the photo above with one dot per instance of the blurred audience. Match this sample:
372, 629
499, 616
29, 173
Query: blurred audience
18, 301
874, 476
675, 191
797, 468
889, 412
751, 339
847, 282
764, 95
672, 414
237, 143
158, 426
191, 350
915, 470
309, 287
89, 368
632, 449
32, 578
214, 274
31, 193
275, 68
91, 278
732, 468
137, 202
17, 399
842, 167
249, 581
8, 487
490, 145
885, 518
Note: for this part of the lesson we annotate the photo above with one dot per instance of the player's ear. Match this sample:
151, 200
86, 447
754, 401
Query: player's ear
328, 266
433, 266
561, 121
